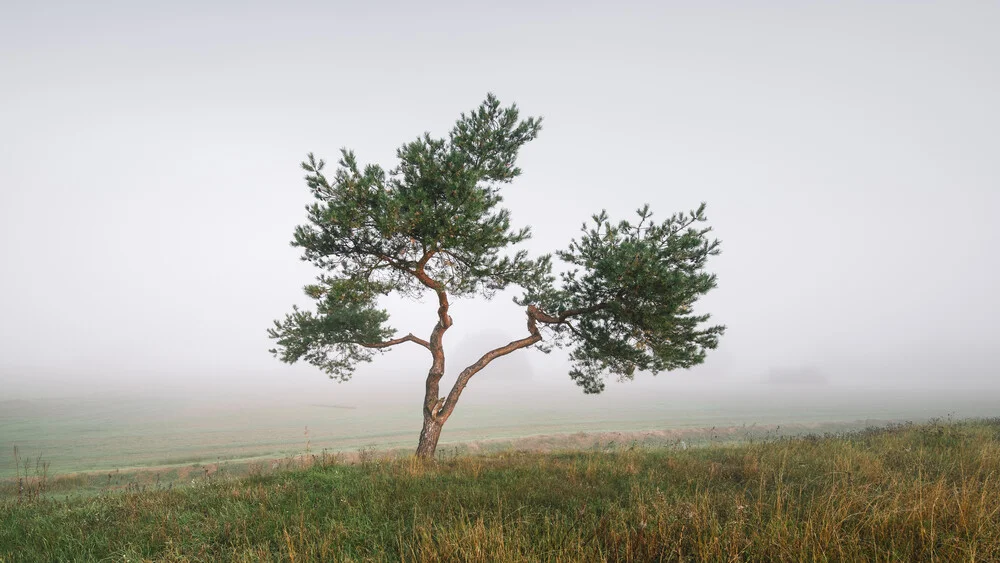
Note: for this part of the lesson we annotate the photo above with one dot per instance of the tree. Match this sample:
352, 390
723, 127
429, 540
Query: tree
434, 223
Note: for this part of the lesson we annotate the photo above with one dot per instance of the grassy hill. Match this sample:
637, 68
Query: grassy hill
903, 493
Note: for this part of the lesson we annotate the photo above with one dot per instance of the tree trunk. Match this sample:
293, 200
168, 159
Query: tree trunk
429, 436
438, 409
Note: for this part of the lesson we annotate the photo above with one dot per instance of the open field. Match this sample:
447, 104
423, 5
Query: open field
903, 493
105, 432
34, 476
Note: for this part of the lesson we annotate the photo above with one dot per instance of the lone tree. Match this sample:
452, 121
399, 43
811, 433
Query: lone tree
435, 223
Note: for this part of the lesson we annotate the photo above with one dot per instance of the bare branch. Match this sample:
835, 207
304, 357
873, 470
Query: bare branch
408, 338
445, 409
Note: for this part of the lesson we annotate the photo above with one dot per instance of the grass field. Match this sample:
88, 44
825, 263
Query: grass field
107, 432
905, 493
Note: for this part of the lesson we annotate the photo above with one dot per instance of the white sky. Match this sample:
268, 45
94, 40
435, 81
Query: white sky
849, 153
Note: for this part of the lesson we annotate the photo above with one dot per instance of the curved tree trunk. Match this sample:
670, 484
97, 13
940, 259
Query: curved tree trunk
438, 409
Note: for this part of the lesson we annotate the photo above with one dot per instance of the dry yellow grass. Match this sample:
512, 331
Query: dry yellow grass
906, 493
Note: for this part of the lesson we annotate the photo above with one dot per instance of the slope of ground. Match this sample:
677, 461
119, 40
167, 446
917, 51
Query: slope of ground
903, 493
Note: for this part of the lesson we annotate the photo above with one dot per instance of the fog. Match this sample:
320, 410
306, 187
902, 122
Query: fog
849, 154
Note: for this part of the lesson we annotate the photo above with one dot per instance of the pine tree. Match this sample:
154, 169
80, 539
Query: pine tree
435, 223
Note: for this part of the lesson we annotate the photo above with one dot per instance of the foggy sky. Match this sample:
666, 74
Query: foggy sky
849, 154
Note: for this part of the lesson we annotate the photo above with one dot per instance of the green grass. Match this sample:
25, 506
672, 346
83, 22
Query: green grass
112, 429
904, 493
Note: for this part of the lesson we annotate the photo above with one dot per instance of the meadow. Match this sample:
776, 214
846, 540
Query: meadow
104, 431
906, 492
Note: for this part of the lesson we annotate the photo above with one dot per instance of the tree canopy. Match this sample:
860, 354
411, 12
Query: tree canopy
435, 223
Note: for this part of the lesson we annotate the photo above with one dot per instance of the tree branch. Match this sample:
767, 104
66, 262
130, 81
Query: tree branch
432, 403
535, 316
445, 409
444, 320
408, 338
421, 274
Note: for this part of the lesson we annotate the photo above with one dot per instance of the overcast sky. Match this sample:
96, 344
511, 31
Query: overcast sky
849, 154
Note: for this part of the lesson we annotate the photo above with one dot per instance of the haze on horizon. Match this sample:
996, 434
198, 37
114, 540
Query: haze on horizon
849, 155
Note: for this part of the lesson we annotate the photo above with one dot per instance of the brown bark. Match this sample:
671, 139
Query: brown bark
395, 341
438, 409
463, 378
429, 436
431, 431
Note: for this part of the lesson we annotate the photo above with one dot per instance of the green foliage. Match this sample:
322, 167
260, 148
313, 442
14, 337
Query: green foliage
435, 223
373, 228
631, 295
437, 214
908, 493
